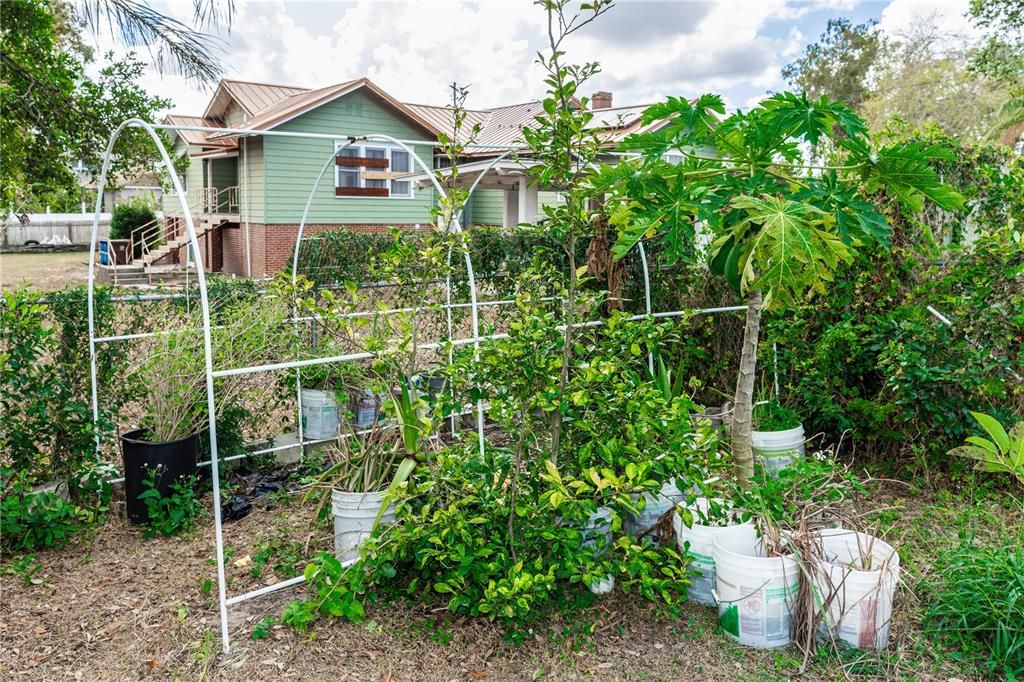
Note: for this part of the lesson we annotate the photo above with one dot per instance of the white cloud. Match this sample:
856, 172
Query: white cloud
647, 49
899, 16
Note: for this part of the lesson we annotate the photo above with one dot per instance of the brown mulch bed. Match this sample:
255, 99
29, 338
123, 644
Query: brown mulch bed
116, 607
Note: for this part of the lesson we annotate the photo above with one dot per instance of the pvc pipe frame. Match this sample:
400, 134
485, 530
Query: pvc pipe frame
211, 374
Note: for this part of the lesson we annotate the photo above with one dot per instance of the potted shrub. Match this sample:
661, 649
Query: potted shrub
696, 523
166, 442
367, 470
172, 376
855, 575
778, 435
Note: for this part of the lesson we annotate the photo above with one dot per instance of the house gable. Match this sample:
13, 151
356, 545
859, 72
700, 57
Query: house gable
291, 165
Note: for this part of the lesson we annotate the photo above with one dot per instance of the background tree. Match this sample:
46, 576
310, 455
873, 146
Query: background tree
839, 64
566, 148
172, 45
923, 81
1001, 57
781, 227
55, 114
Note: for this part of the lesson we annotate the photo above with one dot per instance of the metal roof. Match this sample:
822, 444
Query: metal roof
252, 97
500, 127
195, 137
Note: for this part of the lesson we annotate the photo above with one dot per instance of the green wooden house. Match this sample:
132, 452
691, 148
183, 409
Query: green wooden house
247, 192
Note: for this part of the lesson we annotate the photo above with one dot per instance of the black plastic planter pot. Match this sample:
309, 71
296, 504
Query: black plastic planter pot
173, 459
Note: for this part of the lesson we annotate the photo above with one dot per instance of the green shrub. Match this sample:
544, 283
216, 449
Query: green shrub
31, 521
462, 540
978, 606
130, 215
170, 514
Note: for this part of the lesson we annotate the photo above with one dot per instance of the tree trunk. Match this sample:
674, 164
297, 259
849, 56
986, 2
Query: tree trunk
742, 451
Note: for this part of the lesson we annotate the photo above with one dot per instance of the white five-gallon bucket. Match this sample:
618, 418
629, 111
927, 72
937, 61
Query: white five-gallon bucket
320, 419
755, 593
599, 524
700, 548
859, 601
354, 514
655, 506
777, 449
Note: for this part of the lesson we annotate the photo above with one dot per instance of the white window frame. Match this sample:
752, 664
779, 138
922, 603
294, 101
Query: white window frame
361, 151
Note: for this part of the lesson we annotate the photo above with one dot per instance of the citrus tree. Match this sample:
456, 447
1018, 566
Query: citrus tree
779, 227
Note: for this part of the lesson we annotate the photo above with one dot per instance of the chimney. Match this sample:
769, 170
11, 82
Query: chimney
601, 100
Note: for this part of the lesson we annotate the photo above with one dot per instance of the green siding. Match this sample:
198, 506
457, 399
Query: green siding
486, 207
548, 199
224, 172
251, 179
292, 166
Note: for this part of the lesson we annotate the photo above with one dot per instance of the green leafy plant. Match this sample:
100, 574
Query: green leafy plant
782, 227
25, 566
977, 605
263, 628
130, 215
773, 416
172, 514
1002, 452
817, 488
36, 520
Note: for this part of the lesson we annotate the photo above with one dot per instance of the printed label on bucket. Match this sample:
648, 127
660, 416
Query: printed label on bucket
765, 612
702, 579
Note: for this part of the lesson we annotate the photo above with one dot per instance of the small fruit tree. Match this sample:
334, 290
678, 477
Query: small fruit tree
780, 226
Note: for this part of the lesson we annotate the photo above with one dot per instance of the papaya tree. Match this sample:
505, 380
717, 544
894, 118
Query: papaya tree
778, 225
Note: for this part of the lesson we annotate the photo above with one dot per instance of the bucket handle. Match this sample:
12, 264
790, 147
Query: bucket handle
714, 595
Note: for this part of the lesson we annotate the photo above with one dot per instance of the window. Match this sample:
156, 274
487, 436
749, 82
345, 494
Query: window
370, 170
673, 157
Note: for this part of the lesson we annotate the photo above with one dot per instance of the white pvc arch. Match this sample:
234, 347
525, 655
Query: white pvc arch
454, 227
207, 342
211, 374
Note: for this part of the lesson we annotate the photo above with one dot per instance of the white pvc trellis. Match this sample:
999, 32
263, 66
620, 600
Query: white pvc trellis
212, 374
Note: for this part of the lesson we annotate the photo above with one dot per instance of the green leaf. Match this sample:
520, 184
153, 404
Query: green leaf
995, 430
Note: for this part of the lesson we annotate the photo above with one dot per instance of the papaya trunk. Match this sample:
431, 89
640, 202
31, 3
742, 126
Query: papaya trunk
742, 450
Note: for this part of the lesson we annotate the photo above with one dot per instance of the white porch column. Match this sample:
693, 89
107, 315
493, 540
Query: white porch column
528, 205
510, 204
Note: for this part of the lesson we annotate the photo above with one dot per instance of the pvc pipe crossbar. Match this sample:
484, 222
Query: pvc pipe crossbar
310, 318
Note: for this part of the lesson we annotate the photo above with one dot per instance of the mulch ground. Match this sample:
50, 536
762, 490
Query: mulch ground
116, 607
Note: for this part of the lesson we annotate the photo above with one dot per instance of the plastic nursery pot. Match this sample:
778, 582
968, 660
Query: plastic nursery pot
754, 592
778, 449
173, 460
856, 582
321, 419
697, 541
354, 517
655, 506
366, 408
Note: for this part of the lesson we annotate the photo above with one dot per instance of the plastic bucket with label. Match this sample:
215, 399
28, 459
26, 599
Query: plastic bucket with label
697, 541
777, 449
755, 592
320, 418
856, 581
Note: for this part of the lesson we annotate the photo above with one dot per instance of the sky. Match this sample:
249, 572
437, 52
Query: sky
647, 49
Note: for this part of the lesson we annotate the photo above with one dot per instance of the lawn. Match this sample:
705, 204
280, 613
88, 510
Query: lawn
43, 271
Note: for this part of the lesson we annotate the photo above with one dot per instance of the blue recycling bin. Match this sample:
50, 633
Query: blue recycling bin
104, 252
